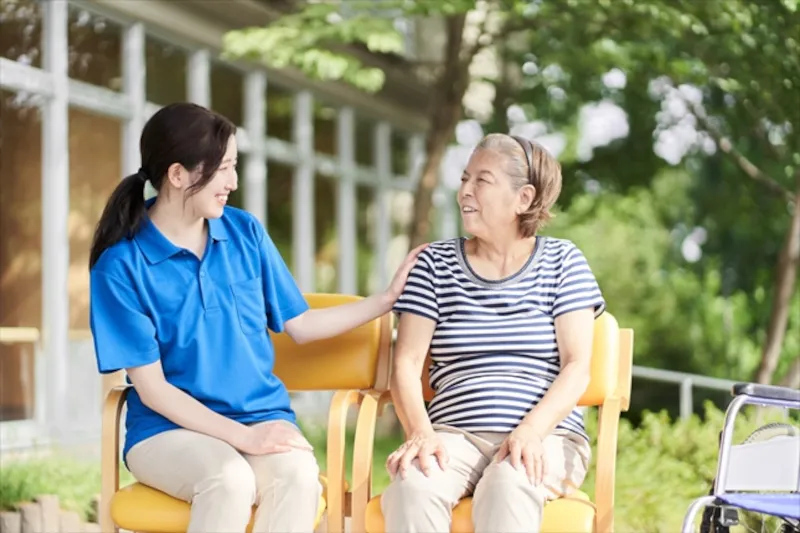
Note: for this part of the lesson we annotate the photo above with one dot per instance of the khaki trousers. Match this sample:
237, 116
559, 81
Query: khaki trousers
504, 500
223, 484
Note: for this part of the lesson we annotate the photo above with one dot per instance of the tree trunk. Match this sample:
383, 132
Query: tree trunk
792, 377
445, 113
785, 279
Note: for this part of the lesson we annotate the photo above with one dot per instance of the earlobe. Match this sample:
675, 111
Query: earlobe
175, 175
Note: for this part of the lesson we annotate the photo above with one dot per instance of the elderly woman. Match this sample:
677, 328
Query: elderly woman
508, 318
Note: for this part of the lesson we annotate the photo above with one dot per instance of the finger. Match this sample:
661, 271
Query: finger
442, 457
277, 448
541, 465
391, 465
529, 461
502, 452
415, 252
514, 454
424, 458
300, 444
406, 458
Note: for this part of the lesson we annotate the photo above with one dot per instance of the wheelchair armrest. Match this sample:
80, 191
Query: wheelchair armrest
772, 392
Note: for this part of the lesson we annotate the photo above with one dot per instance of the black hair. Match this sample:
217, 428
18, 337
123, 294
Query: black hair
184, 133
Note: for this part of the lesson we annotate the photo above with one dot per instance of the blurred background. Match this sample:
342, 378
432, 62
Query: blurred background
677, 124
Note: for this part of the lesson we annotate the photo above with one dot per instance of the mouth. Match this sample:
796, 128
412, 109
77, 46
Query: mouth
222, 199
466, 210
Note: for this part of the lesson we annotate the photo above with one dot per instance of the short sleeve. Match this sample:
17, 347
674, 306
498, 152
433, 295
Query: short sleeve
419, 295
124, 336
282, 296
577, 287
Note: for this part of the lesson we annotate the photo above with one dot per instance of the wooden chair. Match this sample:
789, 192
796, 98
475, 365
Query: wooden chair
609, 390
348, 364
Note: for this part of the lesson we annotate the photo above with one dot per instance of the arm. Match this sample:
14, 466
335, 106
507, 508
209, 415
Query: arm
316, 324
180, 408
574, 334
414, 336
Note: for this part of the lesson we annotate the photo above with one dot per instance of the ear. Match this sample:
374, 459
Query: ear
526, 195
177, 175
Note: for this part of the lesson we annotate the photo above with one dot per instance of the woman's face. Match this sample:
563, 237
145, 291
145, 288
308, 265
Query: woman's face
489, 204
209, 202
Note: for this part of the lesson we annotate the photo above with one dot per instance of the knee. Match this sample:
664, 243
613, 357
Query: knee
413, 489
297, 471
502, 480
234, 481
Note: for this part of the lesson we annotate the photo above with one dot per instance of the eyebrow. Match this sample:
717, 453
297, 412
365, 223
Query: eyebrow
480, 172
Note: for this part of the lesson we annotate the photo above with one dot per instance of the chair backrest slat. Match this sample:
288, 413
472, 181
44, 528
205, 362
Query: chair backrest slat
357, 359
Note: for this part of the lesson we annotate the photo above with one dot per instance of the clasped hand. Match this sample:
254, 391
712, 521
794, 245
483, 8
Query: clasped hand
523, 447
272, 437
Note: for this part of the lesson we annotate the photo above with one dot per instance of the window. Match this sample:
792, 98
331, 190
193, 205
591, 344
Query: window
21, 31
95, 48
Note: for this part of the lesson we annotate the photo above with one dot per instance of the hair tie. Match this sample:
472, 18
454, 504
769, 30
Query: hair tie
142, 175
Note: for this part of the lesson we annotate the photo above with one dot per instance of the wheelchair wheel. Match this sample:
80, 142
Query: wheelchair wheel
719, 519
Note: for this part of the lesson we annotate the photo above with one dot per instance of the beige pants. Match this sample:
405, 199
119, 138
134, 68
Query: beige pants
504, 500
222, 484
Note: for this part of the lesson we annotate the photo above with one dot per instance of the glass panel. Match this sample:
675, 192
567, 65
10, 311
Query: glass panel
95, 49
365, 141
279, 112
20, 246
324, 128
399, 153
327, 243
91, 181
365, 218
227, 91
279, 207
21, 31
166, 72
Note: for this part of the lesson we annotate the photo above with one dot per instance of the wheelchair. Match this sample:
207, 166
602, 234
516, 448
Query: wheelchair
758, 476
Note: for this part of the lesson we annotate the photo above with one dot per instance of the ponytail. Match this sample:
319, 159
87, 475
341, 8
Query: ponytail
121, 217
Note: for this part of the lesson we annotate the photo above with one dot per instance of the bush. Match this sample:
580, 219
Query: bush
662, 465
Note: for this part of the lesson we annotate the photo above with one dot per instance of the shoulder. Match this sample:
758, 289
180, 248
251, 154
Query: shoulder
242, 223
559, 251
120, 260
440, 252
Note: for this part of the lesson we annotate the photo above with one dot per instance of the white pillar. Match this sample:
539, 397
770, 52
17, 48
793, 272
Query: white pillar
303, 192
416, 155
255, 170
198, 83
383, 203
346, 202
134, 86
55, 213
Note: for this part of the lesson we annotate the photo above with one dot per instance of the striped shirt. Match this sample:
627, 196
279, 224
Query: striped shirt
494, 351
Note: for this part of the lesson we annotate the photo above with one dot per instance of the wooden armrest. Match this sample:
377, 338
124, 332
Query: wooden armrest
606, 464
372, 406
337, 498
109, 452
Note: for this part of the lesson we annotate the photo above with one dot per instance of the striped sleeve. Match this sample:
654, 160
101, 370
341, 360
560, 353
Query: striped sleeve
577, 286
419, 294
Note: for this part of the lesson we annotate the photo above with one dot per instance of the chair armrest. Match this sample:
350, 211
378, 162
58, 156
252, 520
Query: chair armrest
337, 496
109, 453
372, 406
770, 392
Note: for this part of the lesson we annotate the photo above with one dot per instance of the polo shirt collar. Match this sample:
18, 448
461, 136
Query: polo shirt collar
157, 248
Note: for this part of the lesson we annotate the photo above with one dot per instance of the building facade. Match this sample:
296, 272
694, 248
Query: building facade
329, 170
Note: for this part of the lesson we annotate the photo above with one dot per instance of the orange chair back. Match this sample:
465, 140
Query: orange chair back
357, 359
608, 344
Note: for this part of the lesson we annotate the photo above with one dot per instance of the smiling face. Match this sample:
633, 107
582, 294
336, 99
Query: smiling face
489, 201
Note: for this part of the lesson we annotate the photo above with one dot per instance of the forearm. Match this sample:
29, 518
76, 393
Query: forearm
185, 411
406, 389
328, 322
560, 399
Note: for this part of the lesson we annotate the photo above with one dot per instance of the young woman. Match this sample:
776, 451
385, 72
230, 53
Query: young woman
183, 290
508, 318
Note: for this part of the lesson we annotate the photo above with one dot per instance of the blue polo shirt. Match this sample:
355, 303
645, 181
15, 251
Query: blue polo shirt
205, 319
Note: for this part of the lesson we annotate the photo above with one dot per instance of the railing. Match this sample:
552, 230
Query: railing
686, 381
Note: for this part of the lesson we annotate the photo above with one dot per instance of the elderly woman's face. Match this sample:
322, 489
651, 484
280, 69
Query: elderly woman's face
487, 199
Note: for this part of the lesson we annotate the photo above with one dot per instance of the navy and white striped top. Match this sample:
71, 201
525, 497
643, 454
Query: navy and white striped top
494, 351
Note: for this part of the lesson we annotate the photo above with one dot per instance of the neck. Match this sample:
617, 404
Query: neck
177, 222
503, 251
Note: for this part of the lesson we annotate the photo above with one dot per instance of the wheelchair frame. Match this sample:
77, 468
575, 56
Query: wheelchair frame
744, 394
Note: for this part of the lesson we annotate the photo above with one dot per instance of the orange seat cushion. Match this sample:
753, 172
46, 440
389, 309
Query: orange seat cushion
138, 507
573, 514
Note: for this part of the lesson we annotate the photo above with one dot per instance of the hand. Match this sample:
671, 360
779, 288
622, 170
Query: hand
524, 446
271, 437
399, 280
420, 446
